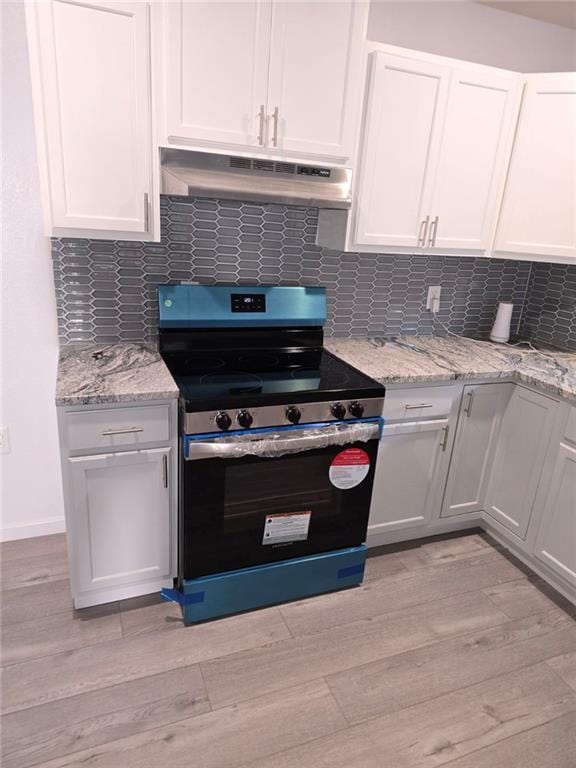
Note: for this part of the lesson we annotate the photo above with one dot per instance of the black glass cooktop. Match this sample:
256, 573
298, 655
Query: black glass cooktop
216, 385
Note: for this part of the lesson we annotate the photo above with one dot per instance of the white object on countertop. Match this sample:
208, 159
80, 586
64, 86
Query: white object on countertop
501, 329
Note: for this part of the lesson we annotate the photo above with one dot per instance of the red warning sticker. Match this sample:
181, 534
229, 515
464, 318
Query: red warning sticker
349, 468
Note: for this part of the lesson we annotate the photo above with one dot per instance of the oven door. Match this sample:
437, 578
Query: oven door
269, 495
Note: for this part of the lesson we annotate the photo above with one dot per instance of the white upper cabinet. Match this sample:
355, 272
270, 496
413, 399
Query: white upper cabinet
216, 75
91, 86
280, 77
538, 215
477, 137
436, 142
316, 67
401, 145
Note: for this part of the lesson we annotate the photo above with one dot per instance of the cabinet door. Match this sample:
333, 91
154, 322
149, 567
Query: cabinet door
481, 413
121, 518
410, 474
91, 80
407, 99
543, 222
556, 540
476, 142
518, 463
316, 65
216, 71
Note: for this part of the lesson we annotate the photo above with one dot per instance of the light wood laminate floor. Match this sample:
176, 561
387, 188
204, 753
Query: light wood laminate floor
450, 653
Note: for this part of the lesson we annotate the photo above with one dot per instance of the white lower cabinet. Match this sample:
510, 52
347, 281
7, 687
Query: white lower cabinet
412, 465
119, 465
479, 420
121, 506
524, 436
556, 539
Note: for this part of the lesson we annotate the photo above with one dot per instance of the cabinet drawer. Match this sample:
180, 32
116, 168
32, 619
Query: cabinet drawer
570, 433
426, 402
118, 428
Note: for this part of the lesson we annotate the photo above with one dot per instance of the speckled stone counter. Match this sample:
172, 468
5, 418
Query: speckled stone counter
91, 373
407, 359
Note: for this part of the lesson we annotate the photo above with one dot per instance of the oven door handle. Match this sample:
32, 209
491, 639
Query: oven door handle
272, 443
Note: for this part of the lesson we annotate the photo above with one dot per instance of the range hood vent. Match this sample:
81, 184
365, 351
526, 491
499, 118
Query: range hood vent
201, 174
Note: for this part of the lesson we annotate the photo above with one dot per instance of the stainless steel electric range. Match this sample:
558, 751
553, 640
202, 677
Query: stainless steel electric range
279, 441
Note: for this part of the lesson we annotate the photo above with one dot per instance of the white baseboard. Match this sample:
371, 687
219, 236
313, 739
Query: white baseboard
30, 530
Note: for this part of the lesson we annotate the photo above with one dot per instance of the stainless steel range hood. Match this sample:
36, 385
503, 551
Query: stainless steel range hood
201, 174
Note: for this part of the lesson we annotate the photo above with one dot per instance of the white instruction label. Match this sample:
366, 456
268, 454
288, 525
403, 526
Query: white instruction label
286, 527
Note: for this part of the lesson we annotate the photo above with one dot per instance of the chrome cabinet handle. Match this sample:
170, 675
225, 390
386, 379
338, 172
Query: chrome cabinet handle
444, 443
262, 118
433, 231
468, 408
165, 470
275, 131
128, 431
146, 212
409, 407
423, 230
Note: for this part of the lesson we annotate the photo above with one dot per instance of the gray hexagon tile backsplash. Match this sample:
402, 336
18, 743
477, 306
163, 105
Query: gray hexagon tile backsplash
106, 290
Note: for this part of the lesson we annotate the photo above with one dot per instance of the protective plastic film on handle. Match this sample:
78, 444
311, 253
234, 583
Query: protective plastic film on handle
280, 443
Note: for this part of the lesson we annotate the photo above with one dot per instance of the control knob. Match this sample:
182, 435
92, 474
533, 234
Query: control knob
338, 411
293, 414
244, 419
356, 409
223, 421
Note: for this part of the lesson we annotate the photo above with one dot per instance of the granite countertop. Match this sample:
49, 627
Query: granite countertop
406, 359
91, 373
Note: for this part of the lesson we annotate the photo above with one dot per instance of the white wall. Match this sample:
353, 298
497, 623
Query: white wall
31, 490
466, 30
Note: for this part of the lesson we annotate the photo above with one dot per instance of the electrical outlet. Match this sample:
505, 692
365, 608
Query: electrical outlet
4, 440
433, 298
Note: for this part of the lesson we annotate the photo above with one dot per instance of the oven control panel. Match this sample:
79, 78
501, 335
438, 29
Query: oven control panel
248, 302
282, 415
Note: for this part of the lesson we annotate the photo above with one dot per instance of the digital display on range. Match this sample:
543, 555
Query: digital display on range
248, 302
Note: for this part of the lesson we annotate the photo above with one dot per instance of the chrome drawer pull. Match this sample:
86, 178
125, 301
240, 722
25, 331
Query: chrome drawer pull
468, 408
146, 212
409, 407
433, 231
129, 431
275, 132
423, 231
165, 470
444, 443
261, 117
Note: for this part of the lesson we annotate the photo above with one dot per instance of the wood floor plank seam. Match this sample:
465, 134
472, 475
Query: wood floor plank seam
72, 752
357, 723
181, 722
377, 616
438, 642
424, 645
119, 641
509, 738
411, 723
